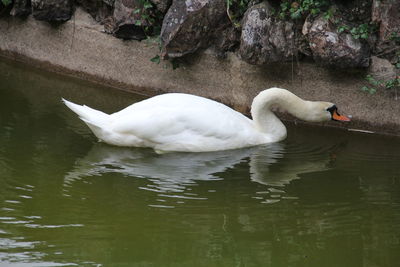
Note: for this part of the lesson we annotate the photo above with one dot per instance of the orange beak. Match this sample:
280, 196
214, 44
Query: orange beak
337, 117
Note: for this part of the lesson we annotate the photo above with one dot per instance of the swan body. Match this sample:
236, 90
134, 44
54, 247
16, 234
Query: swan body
183, 122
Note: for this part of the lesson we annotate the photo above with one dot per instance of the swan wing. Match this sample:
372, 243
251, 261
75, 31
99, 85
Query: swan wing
182, 122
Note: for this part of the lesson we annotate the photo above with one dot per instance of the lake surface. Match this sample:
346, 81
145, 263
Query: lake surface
322, 197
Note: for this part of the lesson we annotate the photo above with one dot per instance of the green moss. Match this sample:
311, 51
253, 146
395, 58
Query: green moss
6, 2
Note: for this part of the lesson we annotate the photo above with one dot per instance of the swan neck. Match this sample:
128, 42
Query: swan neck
266, 121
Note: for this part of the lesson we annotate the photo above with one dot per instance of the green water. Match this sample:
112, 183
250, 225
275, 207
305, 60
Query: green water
322, 197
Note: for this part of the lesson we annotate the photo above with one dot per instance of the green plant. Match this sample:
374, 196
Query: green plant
147, 17
374, 84
363, 31
156, 59
343, 28
157, 40
6, 2
329, 13
397, 64
372, 81
395, 36
174, 62
393, 83
370, 90
236, 10
285, 6
301, 8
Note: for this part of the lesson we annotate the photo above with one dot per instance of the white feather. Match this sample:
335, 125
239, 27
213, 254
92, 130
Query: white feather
183, 122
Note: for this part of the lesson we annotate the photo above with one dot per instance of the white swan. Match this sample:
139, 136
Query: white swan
183, 122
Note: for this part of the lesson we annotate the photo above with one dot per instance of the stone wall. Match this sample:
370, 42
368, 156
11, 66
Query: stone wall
343, 34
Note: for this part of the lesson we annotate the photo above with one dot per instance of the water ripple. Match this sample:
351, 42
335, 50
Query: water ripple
41, 226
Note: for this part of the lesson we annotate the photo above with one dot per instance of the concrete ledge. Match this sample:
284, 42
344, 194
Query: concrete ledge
80, 48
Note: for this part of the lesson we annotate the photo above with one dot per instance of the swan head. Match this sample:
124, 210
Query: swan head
333, 110
324, 111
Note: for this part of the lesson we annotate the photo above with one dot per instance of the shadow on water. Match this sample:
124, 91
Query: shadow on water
322, 197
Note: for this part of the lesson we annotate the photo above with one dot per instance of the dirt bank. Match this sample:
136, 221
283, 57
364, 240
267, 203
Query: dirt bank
80, 48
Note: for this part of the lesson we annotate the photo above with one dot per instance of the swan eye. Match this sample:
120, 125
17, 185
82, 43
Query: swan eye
331, 109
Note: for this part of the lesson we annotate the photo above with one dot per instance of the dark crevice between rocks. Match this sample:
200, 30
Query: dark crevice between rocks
98, 9
21, 8
130, 32
4, 10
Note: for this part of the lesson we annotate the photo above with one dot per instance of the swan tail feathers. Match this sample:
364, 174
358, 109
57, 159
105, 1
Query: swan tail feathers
95, 119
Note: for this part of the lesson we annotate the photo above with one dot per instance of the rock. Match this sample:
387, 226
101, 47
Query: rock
265, 38
386, 13
162, 5
192, 24
99, 10
331, 48
381, 69
21, 8
110, 25
129, 20
52, 10
227, 40
109, 2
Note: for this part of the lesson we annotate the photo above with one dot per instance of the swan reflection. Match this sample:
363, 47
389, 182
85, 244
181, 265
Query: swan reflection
268, 165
